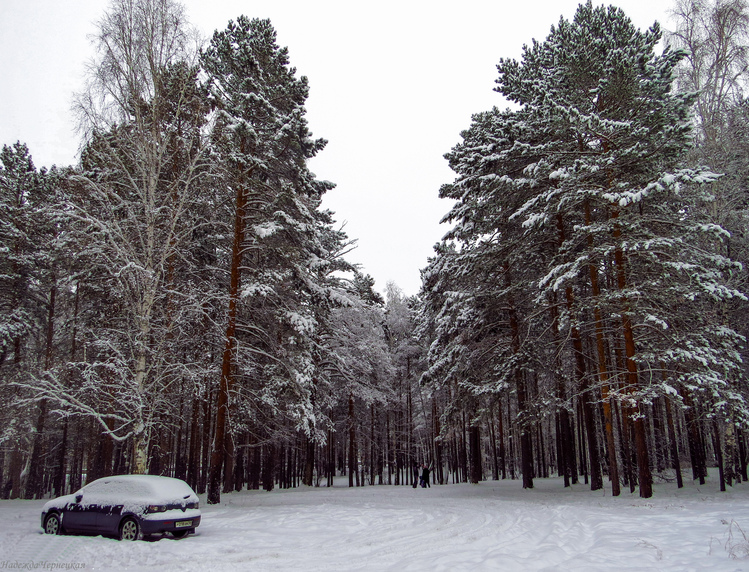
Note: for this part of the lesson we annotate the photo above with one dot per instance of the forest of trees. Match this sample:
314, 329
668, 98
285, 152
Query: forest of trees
179, 302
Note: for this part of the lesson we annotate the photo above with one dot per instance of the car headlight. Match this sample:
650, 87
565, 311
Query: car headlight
155, 508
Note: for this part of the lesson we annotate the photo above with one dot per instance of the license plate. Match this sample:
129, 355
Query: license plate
183, 523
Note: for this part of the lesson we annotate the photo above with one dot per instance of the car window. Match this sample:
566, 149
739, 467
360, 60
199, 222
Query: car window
95, 488
94, 493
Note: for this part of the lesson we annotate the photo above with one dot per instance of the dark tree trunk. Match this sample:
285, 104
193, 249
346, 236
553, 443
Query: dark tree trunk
372, 448
493, 444
76, 470
580, 437
14, 479
526, 458
643, 462
718, 446
474, 436
331, 458
660, 438
254, 470
194, 456
62, 455
180, 457
566, 438
282, 463
542, 453
398, 455
596, 478
502, 452
218, 452
437, 444
526, 445
34, 486
511, 440
104, 455
586, 401
352, 443
564, 463
309, 461
206, 439
696, 449
673, 442
643, 459
269, 467
463, 451
742, 454
240, 468
229, 458
60, 479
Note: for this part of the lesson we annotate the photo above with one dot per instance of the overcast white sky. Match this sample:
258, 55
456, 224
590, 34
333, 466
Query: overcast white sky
392, 85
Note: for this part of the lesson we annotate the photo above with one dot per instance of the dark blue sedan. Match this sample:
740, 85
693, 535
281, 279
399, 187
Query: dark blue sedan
128, 507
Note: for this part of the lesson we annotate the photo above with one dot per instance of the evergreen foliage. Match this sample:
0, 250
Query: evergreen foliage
576, 227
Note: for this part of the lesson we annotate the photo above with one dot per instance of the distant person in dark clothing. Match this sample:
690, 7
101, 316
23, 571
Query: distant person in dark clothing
416, 475
425, 477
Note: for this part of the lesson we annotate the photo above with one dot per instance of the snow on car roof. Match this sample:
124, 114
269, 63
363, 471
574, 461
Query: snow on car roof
152, 487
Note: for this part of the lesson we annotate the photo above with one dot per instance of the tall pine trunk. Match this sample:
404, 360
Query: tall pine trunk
673, 443
566, 460
643, 461
34, 486
474, 438
437, 444
526, 443
309, 461
218, 452
603, 373
351, 442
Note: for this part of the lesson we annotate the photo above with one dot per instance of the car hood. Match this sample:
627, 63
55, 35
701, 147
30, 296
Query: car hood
59, 502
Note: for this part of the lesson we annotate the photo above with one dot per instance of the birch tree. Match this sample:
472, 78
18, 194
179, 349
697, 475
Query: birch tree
140, 165
715, 37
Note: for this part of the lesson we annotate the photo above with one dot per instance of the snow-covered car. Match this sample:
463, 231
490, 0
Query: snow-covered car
129, 507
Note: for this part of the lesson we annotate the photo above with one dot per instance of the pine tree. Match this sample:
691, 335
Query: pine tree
20, 297
262, 144
18, 177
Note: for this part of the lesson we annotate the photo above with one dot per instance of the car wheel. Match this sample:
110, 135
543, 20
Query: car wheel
181, 533
129, 529
53, 525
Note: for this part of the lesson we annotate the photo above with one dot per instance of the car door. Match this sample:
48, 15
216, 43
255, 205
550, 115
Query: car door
80, 515
103, 506
109, 516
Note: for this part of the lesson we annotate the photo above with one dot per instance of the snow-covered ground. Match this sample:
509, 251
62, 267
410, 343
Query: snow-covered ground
491, 526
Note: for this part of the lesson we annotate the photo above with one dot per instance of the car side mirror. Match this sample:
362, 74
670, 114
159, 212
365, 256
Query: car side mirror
78, 498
